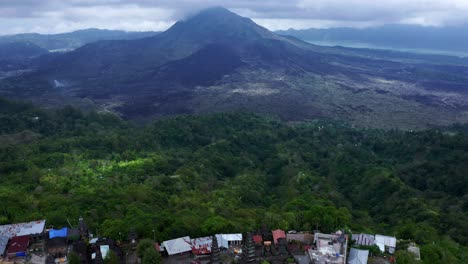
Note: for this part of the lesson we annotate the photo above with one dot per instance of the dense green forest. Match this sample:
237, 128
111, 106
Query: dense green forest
233, 172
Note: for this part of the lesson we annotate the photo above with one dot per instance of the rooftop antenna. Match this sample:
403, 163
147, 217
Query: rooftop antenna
69, 223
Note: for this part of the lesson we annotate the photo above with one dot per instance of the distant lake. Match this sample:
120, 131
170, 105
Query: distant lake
363, 45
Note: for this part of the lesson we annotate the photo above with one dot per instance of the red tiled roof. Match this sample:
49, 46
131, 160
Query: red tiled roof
18, 244
278, 234
257, 239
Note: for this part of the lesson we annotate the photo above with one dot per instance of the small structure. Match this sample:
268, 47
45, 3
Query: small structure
215, 252
3, 245
358, 256
18, 246
177, 246
363, 239
277, 234
22, 229
248, 250
57, 247
102, 251
103, 246
201, 246
83, 228
258, 239
229, 240
415, 250
386, 243
330, 248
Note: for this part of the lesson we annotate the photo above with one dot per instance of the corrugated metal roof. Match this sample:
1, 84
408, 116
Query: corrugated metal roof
224, 239
3, 244
364, 239
178, 245
358, 256
201, 245
232, 237
382, 241
22, 229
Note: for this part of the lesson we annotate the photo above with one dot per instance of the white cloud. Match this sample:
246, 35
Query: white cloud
391, 11
52, 16
284, 24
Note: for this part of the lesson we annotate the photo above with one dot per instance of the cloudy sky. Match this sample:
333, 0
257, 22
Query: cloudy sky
54, 16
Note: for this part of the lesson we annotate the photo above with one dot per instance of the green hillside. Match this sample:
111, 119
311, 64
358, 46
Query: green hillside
234, 172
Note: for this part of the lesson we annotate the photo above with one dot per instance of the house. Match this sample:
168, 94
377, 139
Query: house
23, 229
363, 239
201, 246
18, 246
3, 245
386, 243
330, 248
277, 234
178, 245
57, 247
358, 256
229, 240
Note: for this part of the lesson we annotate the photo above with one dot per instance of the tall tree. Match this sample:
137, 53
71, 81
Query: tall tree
151, 257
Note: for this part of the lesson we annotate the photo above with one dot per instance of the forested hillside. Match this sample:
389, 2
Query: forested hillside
234, 172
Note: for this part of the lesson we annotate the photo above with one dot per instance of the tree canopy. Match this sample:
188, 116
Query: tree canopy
234, 172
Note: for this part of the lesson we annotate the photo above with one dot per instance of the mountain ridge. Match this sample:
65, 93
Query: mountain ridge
74, 39
184, 71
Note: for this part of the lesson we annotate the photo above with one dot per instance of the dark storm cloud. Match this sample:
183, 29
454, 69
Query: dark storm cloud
65, 15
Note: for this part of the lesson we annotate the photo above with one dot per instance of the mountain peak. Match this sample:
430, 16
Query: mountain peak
218, 23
